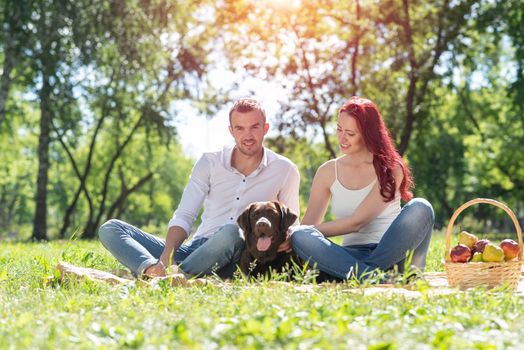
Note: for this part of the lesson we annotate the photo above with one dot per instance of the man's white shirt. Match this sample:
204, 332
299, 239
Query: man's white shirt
225, 192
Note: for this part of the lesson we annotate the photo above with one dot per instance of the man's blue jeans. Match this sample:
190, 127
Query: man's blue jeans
409, 232
138, 250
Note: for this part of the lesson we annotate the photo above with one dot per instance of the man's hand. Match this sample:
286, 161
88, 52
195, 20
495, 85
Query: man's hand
156, 270
286, 245
174, 239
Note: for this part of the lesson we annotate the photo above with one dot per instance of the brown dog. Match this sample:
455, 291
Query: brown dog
265, 226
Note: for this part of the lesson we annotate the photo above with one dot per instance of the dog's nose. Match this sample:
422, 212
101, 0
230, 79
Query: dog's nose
263, 222
263, 227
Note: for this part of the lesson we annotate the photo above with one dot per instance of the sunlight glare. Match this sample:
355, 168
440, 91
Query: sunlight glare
283, 4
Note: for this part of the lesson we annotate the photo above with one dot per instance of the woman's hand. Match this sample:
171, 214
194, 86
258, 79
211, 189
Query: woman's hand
286, 245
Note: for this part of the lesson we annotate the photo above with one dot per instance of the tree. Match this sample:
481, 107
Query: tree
324, 52
50, 53
474, 117
150, 58
145, 55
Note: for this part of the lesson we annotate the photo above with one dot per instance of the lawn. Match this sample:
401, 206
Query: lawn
38, 312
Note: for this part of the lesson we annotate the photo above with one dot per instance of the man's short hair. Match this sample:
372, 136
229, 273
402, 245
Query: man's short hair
245, 105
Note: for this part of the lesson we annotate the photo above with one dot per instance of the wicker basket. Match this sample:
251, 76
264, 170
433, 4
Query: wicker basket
483, 274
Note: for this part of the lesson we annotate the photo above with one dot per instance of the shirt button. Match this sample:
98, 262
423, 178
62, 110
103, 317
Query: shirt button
244, 180
238, 199
230, 218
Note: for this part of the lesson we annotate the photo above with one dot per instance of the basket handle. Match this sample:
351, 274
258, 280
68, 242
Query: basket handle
486, 201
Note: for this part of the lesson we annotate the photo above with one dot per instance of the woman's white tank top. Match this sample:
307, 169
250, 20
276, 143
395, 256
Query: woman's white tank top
344, 203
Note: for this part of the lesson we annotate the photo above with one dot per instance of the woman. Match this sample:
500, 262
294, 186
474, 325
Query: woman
365, 186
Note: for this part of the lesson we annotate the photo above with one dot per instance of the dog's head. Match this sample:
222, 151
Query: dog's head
265, 227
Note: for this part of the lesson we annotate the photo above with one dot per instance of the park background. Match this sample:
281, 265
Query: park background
106, 104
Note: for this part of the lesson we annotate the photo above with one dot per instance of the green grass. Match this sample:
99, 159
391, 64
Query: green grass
36, 314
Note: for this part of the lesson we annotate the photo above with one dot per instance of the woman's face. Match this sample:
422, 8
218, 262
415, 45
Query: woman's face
350, 138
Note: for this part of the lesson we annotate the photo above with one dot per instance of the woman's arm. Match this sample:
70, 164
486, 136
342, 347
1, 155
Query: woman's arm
320, 194
366, 212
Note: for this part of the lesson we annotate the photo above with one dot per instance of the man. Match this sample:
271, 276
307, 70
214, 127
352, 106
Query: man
225, 182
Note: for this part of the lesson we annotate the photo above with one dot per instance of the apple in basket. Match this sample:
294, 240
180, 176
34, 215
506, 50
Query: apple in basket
460, 253
467, 239
511, 249
479, 246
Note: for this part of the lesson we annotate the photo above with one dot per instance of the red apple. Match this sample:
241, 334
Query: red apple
460, 253
511, 249
480, 245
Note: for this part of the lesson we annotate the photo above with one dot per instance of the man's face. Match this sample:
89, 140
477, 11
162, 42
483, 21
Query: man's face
248, 129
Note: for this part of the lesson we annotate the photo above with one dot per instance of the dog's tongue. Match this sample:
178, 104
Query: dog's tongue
263, 243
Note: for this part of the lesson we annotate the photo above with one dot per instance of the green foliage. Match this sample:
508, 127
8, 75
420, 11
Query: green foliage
109, 76
110, 73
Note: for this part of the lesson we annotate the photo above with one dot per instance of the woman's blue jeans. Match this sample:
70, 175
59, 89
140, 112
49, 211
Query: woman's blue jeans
138, 250
409, 233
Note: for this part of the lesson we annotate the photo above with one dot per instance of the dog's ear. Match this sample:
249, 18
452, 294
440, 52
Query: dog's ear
287, 218
243, 220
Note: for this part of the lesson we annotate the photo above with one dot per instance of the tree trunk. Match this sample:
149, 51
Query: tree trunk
40, 218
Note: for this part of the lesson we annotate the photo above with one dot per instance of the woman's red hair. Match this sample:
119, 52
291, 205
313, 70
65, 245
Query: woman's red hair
378, 141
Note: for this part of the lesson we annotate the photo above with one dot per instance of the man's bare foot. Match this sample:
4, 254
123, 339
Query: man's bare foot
178, 279
156, 270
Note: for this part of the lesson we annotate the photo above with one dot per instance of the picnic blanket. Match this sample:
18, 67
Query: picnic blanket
68, 270
433, 283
